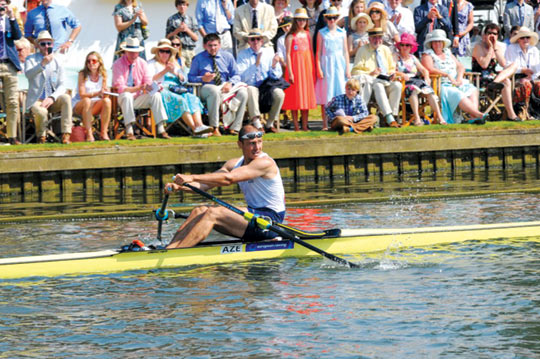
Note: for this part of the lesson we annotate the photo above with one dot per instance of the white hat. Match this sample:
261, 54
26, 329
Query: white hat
132, 45
44, 35
163, 44
436, 35
525, 32
377, 6
362, 15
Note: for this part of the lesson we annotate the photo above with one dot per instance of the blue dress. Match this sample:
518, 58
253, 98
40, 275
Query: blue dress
332, 65
451, 95
463, 20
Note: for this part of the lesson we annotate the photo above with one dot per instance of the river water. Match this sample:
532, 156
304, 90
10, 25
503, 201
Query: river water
468, 300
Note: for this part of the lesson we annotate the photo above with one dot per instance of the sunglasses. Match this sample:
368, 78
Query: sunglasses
92, 61
252, 135
20, 49
337, 0
176, 44
405, 45
525, 38
255, 39
331, 18
375, 12
492, 33
165, 51
45, 43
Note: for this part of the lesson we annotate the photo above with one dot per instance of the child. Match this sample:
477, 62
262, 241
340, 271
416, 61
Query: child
185, 27
359, 37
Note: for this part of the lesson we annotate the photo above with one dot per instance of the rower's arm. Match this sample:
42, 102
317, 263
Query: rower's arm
228, 175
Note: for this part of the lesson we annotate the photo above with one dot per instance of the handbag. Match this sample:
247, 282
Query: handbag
177, 89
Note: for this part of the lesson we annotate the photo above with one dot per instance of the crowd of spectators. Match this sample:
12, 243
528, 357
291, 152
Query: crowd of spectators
264, 58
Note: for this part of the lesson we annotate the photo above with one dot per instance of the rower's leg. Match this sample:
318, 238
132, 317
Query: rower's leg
202, 220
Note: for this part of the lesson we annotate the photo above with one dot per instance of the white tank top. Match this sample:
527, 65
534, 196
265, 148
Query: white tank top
262, 192
90, 86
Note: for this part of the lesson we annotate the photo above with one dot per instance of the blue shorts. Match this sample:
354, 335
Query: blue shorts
254, 233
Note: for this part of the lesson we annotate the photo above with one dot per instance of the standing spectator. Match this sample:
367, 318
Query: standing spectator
256, 64
428, 17
129, 20
217, 71
185, 27
216, 17
321, 21
313, 8
281, 9
90, 99
55, 19
359, 37
9, 65
401, 17
280, 48
300, 70
357, 7
254, 15
462, 42
133, 81
332, 62
46, 89
517, 12
375, 64
379, 17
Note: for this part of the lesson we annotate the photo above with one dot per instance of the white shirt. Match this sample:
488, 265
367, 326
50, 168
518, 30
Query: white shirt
529, 60
406, 24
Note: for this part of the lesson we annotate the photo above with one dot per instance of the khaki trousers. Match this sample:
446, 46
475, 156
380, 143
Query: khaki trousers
342, 123
62, 105
10, 83
388, 96
278, 96
187, 56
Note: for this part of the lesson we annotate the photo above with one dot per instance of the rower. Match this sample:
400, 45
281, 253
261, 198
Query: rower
259, 179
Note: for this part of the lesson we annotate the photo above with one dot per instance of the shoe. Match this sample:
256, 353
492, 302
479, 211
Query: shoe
202, 129
394, 124
104, 137
479, 121
164, 135
271, 130
66, 138
42, 140
131, 137
13, 141
215, 132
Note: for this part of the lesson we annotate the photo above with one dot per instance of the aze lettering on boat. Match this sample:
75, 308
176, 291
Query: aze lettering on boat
253, 247
237, 248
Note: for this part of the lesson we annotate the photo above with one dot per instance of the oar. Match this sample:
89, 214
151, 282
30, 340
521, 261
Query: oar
161, 215
264, 224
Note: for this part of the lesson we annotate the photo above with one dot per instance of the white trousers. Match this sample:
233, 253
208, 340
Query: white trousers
128, 104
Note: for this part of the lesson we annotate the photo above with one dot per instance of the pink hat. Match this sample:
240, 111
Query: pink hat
410, 40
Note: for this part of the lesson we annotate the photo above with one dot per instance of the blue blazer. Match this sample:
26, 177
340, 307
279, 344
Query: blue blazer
421, 23
13, 32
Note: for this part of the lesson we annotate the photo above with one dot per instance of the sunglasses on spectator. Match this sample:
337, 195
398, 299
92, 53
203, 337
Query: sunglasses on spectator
255, 39
405, 45
332, 18
92, 61
176, 44
252, 135
165, 51
45, 43
337, 0
375, 12
20, 49
492, 33
525, 37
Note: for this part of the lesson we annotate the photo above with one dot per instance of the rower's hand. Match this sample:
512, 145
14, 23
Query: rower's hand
172, 188
180, 179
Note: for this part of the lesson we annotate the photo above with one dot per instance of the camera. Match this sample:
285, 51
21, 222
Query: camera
2, 8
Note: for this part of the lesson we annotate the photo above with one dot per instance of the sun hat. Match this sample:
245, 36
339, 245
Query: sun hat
255, 33
44, 35
331, 11
408, 39
525, 32
362, 15
378, 6
163, 44
375, 31
301, 13
285, 21
132, 45
436, 35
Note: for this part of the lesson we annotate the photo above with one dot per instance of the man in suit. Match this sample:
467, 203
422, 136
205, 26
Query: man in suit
46, 89
428, 17
254, 15
519, 13
9, 65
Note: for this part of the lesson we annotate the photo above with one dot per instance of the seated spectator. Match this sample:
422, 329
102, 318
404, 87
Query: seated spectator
523, 52
133, 81
359, 37
9, 66
256, 64
401, 17
409, 69
56, 20
356, 8
487, 56
185, 27
375, 66
217, 71
455, 91
379, 17
254, 15
216, 17
429, 16
46, 89
348, 113
179, 103
91, 99
130, 21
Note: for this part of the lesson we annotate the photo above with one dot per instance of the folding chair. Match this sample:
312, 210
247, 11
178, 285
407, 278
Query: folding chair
491, 102
424, 109
195, 89
144, 120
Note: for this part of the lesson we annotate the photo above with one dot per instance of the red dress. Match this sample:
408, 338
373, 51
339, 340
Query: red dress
301, 94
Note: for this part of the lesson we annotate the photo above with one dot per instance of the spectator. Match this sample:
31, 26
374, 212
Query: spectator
428, 17
357, 7
18, 7
300, 70
524, 53
254, 15
217, 71
129, 20
462, 42
178, 54
46, 89
321, 22
170, 76
185, 27
216, 17
256, 64
133, 81
91, 99
455, 91
401, 17
416, 77
513, 32
55, 19
379, 17
360, 25
375, 64
332, 62
314, 9
281, 50
487, 56
517, 12
9, 66
24, 49
283, 27
348, 113
281, 9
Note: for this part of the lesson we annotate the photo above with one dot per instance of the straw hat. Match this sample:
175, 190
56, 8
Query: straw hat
331, 11
44, 35
375, 31
436, 35
255, 33
163, 44
525, 32
408, 39
285, 21
301, 13
377, 6
132, 45
362, 15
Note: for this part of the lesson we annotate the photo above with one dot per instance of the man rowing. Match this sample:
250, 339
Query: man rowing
259, 179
